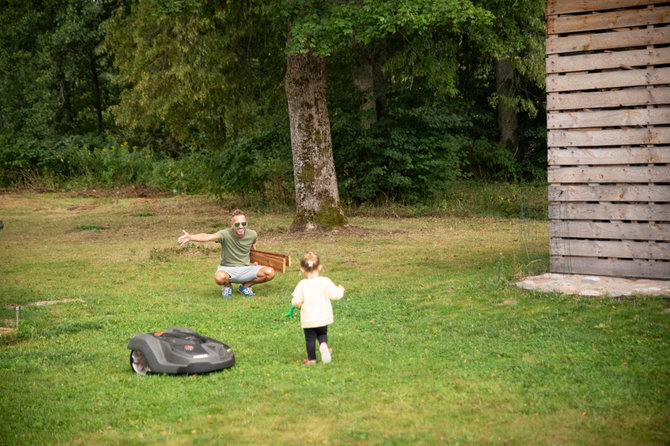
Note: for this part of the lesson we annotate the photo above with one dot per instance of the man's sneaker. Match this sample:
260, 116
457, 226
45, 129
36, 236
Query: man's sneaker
227, 291
246, 290
325, 352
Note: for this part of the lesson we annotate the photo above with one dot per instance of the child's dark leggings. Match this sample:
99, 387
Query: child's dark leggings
311, 336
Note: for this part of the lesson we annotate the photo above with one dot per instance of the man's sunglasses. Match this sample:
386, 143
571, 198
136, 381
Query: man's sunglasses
237, 225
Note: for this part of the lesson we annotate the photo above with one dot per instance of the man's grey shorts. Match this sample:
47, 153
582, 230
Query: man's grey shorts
241, 274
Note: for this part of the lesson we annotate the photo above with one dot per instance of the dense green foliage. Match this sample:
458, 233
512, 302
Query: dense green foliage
199, 85
406, 155
54, 83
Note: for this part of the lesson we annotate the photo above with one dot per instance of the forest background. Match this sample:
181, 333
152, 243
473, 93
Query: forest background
190, 96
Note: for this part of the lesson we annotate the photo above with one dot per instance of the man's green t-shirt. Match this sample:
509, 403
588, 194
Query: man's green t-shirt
235, 251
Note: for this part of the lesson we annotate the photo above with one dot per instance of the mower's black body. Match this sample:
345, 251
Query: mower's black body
178, 350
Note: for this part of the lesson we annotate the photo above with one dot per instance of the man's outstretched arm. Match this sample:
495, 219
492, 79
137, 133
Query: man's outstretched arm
197, 238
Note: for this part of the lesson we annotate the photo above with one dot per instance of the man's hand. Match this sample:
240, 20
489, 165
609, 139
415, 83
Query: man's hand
184, 238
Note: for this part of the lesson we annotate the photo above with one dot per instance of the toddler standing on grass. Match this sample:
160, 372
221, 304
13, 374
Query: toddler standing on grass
313, 295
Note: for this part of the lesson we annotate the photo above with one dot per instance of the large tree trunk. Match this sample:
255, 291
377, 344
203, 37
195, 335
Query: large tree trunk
507, 118
65, 97
316, 195
97, 96
363, 78
369, 81
381, 82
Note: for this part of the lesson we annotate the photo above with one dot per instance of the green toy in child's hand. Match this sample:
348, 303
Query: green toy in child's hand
290, 312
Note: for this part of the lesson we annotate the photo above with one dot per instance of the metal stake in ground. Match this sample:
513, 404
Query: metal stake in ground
17, 308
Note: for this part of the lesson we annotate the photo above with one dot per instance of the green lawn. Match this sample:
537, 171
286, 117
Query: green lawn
433, 344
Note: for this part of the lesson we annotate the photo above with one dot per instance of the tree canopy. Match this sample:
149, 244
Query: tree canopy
410, 86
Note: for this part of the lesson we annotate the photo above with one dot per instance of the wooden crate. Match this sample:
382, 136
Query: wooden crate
608, 122
279, 262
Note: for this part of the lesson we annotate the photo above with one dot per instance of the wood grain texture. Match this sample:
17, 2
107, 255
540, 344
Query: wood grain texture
278, 262
604, 156
563, 24
607, 267
608, 40
630, 97
648, 76
609, 211
609, 174
623, 117
625, 249
607, 60
623, 192
613, 137
572, 6
614, 230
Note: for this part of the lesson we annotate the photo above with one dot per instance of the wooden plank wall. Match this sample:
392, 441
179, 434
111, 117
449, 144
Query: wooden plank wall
608, 121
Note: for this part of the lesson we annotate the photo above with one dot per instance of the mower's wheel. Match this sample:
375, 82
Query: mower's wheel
139, 363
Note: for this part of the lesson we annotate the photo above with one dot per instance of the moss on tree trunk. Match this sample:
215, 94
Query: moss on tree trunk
316, 195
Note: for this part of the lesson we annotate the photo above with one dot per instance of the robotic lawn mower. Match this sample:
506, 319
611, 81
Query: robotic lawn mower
178, 350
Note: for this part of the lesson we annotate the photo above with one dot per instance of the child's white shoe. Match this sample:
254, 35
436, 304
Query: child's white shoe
325, 352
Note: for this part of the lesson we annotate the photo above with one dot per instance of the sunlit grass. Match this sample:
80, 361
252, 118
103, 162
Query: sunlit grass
432, 342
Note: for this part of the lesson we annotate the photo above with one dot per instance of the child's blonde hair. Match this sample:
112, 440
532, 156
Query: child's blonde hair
310, 262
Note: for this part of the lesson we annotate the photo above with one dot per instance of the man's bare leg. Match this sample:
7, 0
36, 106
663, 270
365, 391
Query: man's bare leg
222, 278
264, 274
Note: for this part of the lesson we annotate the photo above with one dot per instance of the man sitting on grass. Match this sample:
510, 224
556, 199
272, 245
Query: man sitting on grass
236, 244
